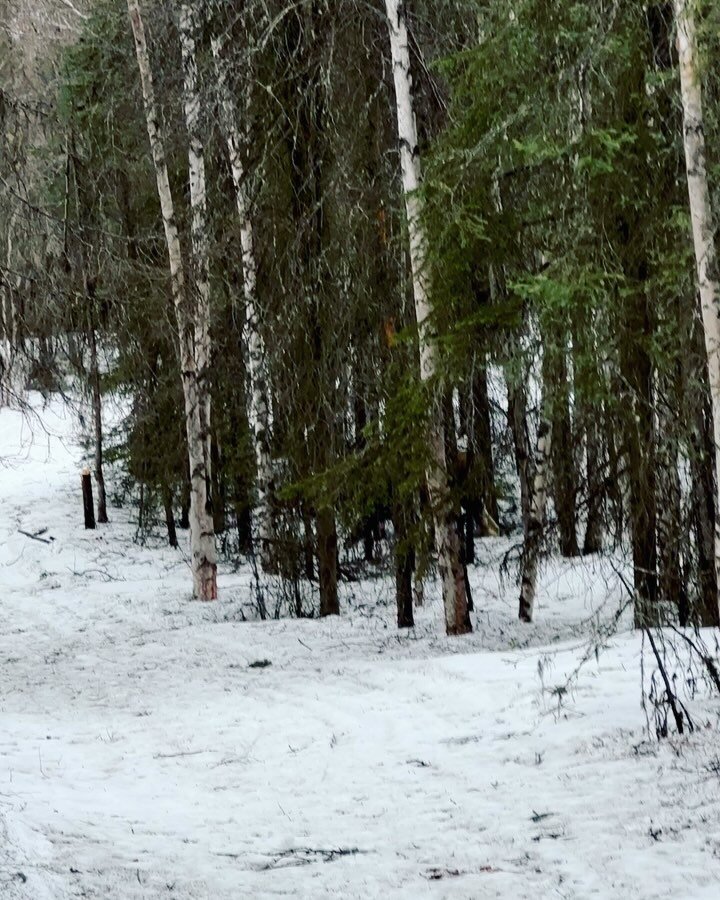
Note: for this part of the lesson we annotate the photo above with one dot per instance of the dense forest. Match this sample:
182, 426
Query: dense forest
388, 331
376, 280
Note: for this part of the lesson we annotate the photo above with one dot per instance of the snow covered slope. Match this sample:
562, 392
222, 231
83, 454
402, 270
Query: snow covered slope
141, 756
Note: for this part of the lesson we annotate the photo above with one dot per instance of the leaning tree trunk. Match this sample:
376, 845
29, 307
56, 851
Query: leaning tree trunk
703, 227
536, 519
447, 540
202, 535
259, 410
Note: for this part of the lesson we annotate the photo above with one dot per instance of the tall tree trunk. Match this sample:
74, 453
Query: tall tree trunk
670, 533
536, 519
564, 478
447, 540
594, 486
202, 536
703, 226
517, 418
641, 449
97, 420
167, 499
482, 440
198, 287
327, 562
404, 565
701, 459
259, 407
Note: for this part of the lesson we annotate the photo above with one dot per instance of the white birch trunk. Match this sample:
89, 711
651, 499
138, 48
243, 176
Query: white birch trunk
259, 409
703, 227
536, 519
202, 536
457, 619
200, 283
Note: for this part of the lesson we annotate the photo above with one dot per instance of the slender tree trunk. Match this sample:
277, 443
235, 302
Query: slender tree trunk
259, 407
701, 458
536, 519
670, 533
197, 287
517, 417
97, 419
562, 458
327, 562
594, 486
641, 451
404, 565
202, 536
167, 499
703, 226
482, 440
447, 540
218, 486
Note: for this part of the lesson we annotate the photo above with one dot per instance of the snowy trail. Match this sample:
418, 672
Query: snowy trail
141, 756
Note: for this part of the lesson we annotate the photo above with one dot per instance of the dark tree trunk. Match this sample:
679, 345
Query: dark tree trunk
243, 516
327, 562
185, 506
404, 566
640, 441
564, 480
217, 487
167, 499
88, 508
368, 524
480, 438
670, 532
595, 487
102, 516
517, 417
308, 544
702, 466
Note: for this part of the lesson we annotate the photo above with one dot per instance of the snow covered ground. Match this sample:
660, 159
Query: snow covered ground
141, 756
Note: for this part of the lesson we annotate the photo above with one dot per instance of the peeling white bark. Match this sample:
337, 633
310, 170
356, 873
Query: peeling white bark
259, 409
703, 227
202, 536
457, 619
200, 283
536, 519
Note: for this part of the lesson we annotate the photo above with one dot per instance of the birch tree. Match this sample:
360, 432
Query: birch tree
447, 541
703, 227
202, 536
259, 409
535, 520
199, 284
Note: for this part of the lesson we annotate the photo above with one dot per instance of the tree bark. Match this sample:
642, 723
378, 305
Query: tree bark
198, 287
562, 457
701, 458
169, 516
255, 348
327, 562
703, 226
517, 417
88, 511
593, 541
535, 521
202, 536
97, 419
447, 540
404, 566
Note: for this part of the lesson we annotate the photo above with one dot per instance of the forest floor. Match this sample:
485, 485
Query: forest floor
143, 756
